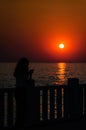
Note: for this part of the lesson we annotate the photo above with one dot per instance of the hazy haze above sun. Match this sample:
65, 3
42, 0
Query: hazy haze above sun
36, 29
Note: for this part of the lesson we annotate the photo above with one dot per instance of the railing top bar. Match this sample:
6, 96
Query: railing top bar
44, 87
50, 87
7, 90
82, 85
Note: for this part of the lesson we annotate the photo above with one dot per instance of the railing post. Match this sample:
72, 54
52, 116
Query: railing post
36, 105
66, 102
73, 99
33, 95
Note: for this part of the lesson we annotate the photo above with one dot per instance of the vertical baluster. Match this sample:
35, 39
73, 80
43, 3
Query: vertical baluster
52, 104
14, 111
83, 101
48, 104
59, 103
10, 109
1, 108
55, 90
41, 105
45, 104
5, 109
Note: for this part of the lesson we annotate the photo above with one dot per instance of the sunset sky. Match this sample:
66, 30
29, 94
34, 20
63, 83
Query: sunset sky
34, 29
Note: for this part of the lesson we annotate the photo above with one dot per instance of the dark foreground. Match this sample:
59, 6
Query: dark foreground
53, 98
60, 125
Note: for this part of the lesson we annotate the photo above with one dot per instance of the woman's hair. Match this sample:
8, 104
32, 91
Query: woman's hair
23, 61
21, 66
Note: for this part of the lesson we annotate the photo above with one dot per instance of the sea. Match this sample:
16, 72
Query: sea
45, 73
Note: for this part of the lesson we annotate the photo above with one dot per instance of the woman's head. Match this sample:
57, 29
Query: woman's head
23, 62
21, 67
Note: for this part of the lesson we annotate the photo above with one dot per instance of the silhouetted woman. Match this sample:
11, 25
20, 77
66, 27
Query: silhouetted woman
23, 80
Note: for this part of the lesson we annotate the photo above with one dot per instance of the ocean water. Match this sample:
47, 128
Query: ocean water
45, 73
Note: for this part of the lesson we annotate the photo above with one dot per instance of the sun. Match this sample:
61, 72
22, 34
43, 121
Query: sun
61, 45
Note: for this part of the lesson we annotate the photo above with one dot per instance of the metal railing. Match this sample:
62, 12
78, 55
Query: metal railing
46, 103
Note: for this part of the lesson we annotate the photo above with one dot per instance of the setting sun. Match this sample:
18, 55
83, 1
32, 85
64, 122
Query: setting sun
61, 45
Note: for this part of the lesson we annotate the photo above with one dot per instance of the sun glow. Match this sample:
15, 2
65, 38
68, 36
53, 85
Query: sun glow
61, 45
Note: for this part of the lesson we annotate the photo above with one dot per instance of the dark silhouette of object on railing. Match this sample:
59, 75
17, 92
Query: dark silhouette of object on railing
73, 99
23, 82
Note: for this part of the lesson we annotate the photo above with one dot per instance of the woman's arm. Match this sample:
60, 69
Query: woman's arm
30, 73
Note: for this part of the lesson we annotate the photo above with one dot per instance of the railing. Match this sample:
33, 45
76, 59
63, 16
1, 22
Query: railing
7, 107
46, 103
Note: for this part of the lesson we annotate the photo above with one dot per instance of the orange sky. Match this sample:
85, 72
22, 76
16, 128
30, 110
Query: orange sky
34, 28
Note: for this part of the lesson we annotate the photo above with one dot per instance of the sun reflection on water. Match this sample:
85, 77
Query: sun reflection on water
61, 70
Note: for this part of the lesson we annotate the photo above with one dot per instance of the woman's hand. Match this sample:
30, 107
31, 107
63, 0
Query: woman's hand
30, 73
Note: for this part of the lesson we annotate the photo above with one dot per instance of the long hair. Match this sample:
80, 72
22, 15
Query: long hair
21, 67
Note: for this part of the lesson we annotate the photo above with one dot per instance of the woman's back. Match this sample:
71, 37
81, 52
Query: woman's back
21, 72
